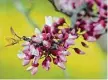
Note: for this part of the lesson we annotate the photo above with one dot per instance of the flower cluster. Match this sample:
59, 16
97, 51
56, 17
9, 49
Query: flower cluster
85, 17
54, 40
51, 44
94, 23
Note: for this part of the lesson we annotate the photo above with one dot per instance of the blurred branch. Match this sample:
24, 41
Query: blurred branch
74, 15
56, 9
26, 12
102, 41
52, 2
66, 74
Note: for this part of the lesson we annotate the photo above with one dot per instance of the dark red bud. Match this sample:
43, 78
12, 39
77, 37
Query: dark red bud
31, 56
35, 65
84, 44
79, 15
48, 58
98, 3
85, 36
73, 5
98, 36
55, 24
105, 7
55, 60
44, 62
78, 51
34, 36
61, 21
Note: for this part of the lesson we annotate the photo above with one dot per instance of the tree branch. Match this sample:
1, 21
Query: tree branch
26, 12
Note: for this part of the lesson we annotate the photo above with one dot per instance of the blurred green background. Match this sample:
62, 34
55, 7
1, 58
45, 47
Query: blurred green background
88, 66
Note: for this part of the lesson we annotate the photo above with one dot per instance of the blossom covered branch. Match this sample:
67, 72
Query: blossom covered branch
84, 16
53, 41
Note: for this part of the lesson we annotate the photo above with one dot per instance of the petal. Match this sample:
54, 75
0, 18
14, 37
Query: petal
91, 39
29, 68
73, 31
41, 36
26, 44
63, 31
62, 58
48, 58
48, 20
72, 36
37, 39
46, 64
21, 55
25, 62
46, 44
55, 60
60, 36
37, 31
35, 60
59, 21
66, 35
35, 65
85, 36
34, 70
66, 45
25, 47
66, 53
47, 67
34, 51
61, 65
26, 52
99, 32
99, 27
70, 42
55, 19
46, 29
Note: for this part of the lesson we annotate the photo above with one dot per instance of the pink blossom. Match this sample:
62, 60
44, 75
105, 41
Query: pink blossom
52, 43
